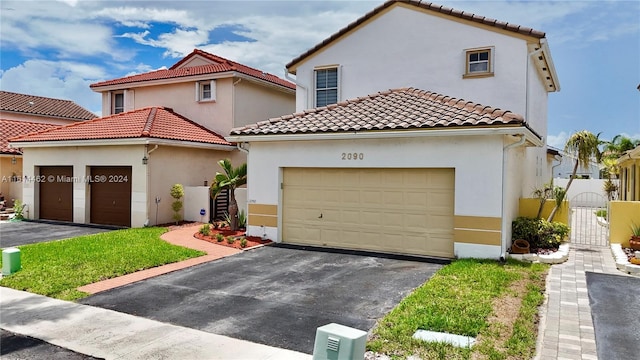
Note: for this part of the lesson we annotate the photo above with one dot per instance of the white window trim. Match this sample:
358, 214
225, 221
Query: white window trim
490, 70
314, 93
199, 90
112, 101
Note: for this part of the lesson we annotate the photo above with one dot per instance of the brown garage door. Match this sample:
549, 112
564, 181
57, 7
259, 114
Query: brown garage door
111, 195
56, 193
406, 211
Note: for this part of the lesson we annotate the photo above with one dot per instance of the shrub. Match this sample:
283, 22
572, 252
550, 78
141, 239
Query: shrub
18, 208
230, 239
243, 243
177, 192
601, 213
539, 232
242, 219
205, 230
219, 237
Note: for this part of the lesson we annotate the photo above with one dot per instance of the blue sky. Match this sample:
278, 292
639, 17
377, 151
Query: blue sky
58, 48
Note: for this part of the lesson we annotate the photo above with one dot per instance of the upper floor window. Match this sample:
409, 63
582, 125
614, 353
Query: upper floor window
479, 62
118, 103
206, 90
326, 86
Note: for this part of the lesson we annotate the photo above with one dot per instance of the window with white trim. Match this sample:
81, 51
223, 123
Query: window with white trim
206, 90
479, 62
326, 85
118, 102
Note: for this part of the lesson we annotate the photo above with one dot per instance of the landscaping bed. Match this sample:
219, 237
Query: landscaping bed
236, 239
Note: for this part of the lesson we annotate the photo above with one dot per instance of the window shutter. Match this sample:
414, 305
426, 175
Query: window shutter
197, 91
213, 90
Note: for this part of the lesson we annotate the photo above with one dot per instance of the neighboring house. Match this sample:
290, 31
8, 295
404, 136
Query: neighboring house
21, 114
629, 164
565, 168
158, 129
416, 169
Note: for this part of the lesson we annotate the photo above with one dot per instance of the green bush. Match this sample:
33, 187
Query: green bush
601, 213
242, 219
539, 232
219, 237
243, 243
205, 230
230, 239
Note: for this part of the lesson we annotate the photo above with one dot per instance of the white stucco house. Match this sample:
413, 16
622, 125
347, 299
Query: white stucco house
417, 130
158, 129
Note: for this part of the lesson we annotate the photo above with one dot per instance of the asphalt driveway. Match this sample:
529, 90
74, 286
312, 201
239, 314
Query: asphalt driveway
28, 232
274, 296
615, 309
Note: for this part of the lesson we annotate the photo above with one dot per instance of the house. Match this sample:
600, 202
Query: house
158, 129
420, 142
625, 213
21, 114
564, 170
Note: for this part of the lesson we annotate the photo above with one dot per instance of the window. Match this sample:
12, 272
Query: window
118, 103
479, 62
206, 90
326, 86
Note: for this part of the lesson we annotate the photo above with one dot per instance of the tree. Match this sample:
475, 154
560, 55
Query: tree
231, 179
177, 192
583, 146
619, 145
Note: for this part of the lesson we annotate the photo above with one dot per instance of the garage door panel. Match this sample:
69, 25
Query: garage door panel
56, 195
111, 195
391, 210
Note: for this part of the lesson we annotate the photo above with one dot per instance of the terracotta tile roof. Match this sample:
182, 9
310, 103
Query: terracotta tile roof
13, 128
427, 6
150, 122
222, 65
397, 109
43, 106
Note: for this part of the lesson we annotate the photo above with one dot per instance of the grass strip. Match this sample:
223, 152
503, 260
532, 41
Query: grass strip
57, 268
459, 299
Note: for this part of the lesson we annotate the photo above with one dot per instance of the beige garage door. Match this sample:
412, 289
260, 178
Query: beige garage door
389, 210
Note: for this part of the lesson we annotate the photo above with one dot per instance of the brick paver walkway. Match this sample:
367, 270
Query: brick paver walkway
181, 237
566, 329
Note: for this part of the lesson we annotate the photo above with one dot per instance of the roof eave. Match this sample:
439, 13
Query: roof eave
122, 141
173, 80
532, 138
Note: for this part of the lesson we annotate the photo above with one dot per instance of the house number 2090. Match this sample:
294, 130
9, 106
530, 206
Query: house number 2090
352, 156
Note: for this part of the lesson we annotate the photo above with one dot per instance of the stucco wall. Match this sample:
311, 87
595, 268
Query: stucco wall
215, 115
622, 215
175, 165
433, 58
10, 188
254, 103
81, 158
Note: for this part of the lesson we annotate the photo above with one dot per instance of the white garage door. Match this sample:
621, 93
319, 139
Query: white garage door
406, 211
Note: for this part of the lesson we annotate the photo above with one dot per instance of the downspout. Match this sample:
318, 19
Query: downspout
146, 158
242, 148
288, 77
503, 233
555, 166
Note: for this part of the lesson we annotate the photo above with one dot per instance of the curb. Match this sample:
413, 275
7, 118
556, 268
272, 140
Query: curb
558, 257
622, 263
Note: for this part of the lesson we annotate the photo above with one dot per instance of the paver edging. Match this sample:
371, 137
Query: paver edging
558, 257
622, 262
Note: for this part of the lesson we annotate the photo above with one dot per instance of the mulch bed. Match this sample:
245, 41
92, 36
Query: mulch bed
252, 241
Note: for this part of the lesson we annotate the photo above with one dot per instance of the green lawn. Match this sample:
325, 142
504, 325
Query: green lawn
57, 268
480, 298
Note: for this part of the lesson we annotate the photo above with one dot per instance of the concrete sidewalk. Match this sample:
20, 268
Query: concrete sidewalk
112, 335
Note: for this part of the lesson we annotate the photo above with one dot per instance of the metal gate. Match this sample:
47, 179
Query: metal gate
589, 219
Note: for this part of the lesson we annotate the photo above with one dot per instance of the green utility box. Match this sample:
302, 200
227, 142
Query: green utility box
339, 342
10, 261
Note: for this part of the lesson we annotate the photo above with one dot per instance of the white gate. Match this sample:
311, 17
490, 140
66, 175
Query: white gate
589, 219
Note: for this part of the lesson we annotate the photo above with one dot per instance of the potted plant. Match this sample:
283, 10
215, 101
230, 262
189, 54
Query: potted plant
634, 242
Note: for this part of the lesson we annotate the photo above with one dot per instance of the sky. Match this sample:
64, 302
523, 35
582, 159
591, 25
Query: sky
58, 48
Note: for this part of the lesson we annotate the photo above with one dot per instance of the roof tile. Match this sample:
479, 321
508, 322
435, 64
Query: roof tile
13, 128
394, 109
221, 65
152, 122
43, 106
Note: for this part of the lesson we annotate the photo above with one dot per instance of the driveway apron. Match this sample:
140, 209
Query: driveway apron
29, 232
273, 296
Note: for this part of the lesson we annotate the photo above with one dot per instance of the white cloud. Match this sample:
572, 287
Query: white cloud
61, 80
558, 141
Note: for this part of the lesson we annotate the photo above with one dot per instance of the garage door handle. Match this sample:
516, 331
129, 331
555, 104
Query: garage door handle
320, 217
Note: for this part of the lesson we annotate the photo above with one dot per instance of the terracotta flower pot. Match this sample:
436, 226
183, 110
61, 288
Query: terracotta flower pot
634, 242
520, 246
